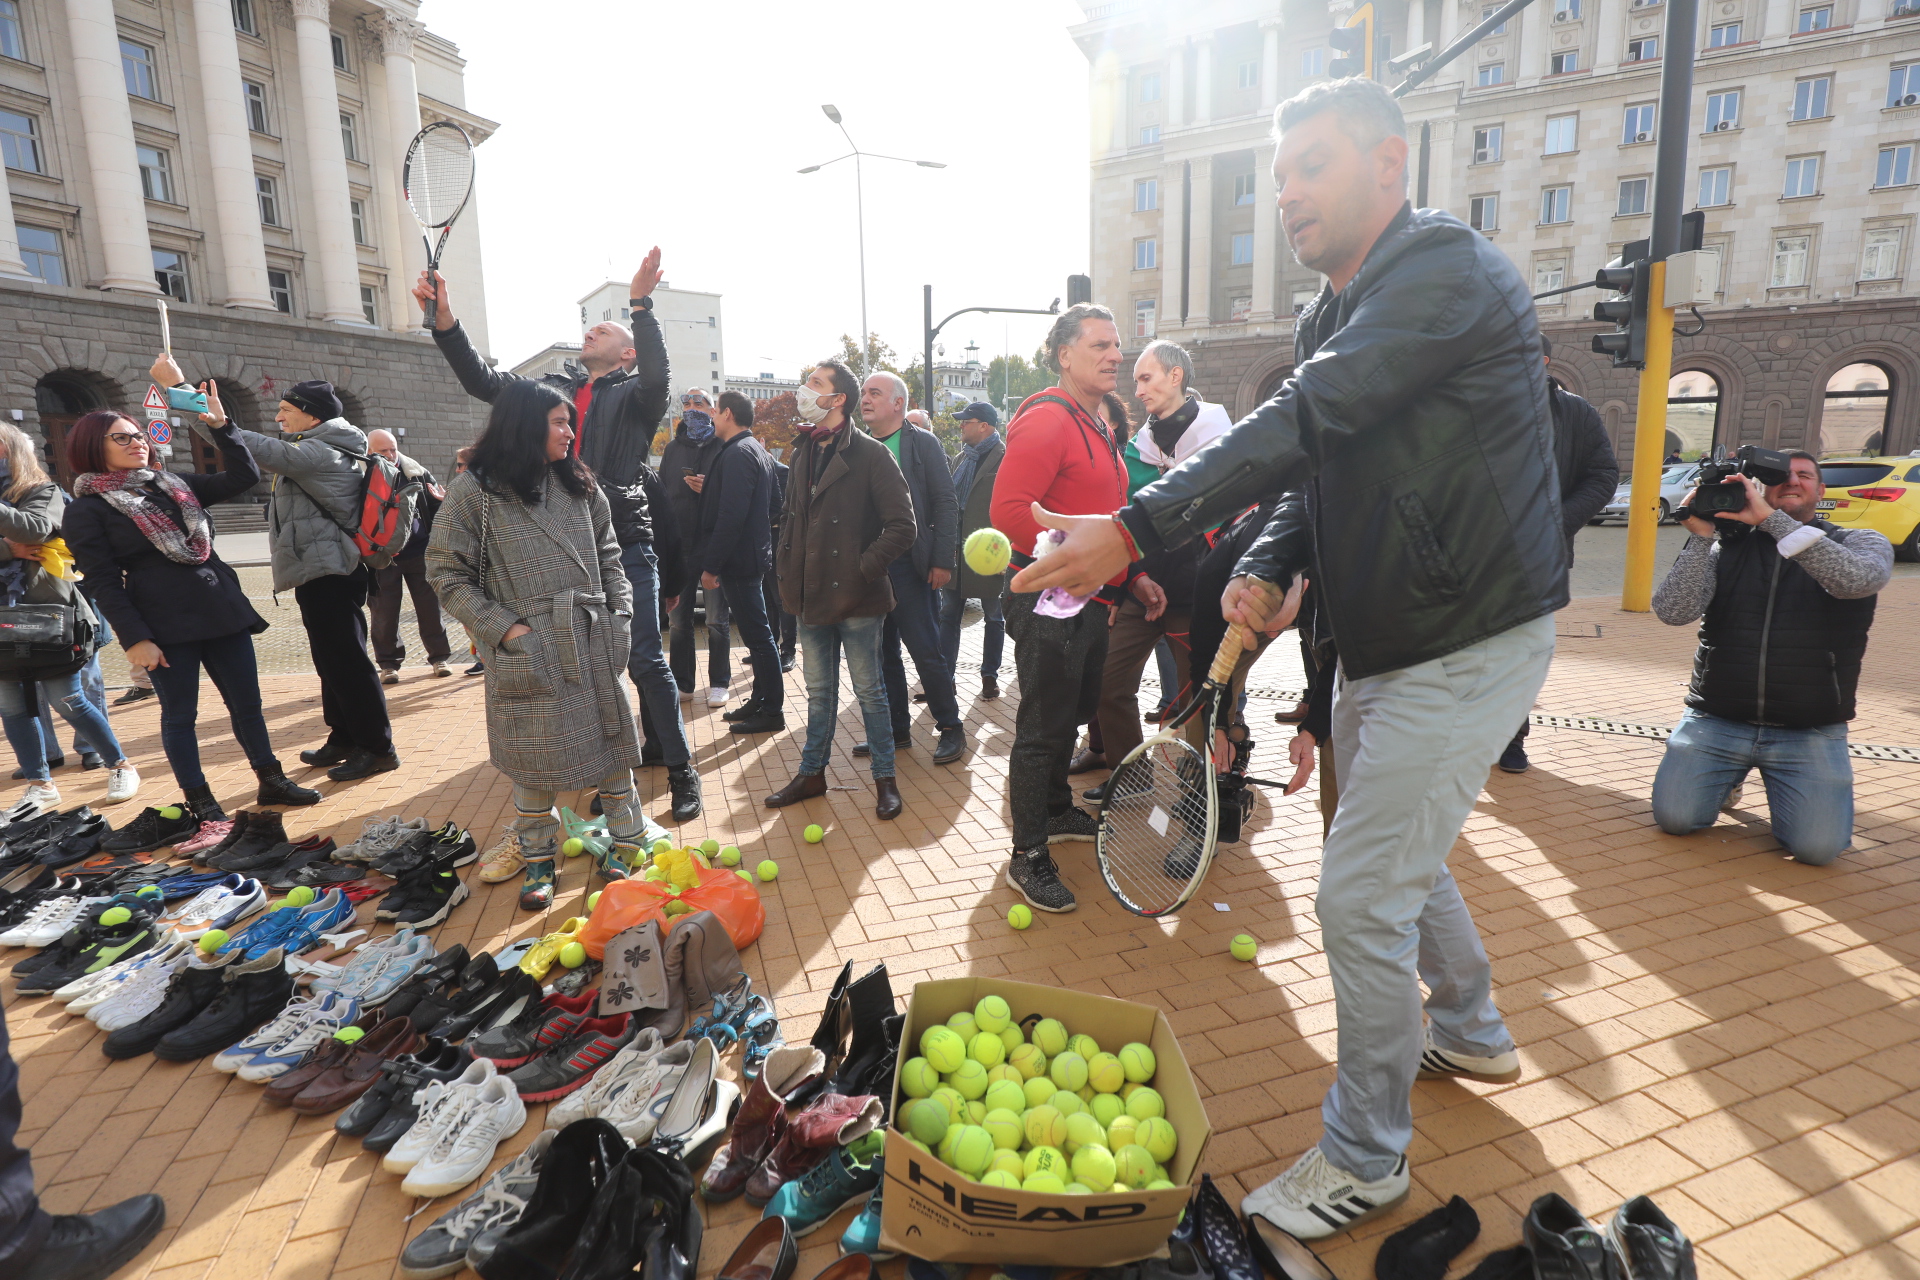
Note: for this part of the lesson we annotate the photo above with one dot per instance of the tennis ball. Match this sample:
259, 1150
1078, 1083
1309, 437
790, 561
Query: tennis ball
1000, 1178
1048, 1159
1138, 1062
1145, 1104
744, 875
1122, 1131
662, 845
115, 915
987, 1049
1019, 915
1069, 1071
1067, 1104
972, 1150
350, 1035
1045, 1127
918, 1078
944, 1148
573, 955
1244, 947
709, 846
1004, 1128
814, 833
993, 1014
730, 855
928, 1120
1093, 1168
1158, 1184
1084, 1131
1011, 1037
987, 550
1157, 1135
659, 875
1134, 1166
976, 1112
1039, 1091
573, 846
964, 1025
301, 896
593, 900
1106, 1108
768, 869
1043, 1184
944, 1048
955, 1104
148, 891
1084, 1045
1005, 1095
1050, 1035
969, 1079
1028, 1060
210, 940
1086, 1094
1005, 1161
1004, 1074
1105, 1073
920, 1146
1079, 1189
171, 812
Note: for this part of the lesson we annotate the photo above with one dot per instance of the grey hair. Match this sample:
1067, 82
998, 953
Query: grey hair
1171, 356
1367, 112
1066, 330
898, 383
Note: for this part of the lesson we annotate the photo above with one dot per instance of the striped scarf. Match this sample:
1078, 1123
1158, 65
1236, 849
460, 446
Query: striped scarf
126, 492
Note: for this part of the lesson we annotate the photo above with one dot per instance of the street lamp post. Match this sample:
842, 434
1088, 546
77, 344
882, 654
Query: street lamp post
860, 206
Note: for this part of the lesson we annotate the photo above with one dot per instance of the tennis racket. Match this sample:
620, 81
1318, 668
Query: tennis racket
1160, 820
438, 180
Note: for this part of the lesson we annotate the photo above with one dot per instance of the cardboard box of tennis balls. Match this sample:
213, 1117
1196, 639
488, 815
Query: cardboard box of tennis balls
933, 1211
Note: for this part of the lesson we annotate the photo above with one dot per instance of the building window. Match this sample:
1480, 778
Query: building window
1903, 85
349, 137
1645, 49
1486, 143
156, 174
1789, 262
1143, 313
1549, 274
1313, 63
1243, 188
1556, 205
1854, 417
357, 211
1880, 255
339, 43
1816, 19
268, 193
1483, 213
243, 19
1633, 197
10, 42
1723, 35
1637, 124
1488, 12
1146, 195
40, 250
370, 304
1493, 73
1567, 10
1896, 166
170, 273
255, 95
1149, 135
1563, 134
280, 289
1303, 298
1803, 178
1716, 187
20, 141
1150, 86
1249, 75
1146, 254
136, 63
1723, 111
1242, 254
1810, 98
1561, 63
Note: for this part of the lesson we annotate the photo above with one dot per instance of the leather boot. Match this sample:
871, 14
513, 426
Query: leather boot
277, 788
618, 1227
830, 1038
833, 1121
684, 783
205, 807
578, 1164
674, 1250
869, 1004
886, 804
761, 1121
805, 786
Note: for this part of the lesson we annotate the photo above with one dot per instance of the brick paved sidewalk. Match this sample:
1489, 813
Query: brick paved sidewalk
1698, 1018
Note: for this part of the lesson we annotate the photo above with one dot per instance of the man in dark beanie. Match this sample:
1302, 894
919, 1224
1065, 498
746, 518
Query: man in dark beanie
318, 465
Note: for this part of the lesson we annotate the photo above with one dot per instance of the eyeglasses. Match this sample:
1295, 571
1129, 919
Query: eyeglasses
124, 440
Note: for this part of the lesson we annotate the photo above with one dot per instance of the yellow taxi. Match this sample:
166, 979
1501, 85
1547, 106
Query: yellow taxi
1882, 494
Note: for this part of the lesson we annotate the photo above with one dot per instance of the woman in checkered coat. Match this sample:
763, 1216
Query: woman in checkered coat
523, 554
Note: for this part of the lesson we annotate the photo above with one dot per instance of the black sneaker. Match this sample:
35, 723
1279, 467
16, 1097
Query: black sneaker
76, 842
573, 1062
153, 829
365, 1111
759, 722
252, 992
106, 944
1038, 880
138, 693
751, 707
313, 851
413, 1074
435, 894
1074, 823
191, 991
1514, 758
447, 847
326, 874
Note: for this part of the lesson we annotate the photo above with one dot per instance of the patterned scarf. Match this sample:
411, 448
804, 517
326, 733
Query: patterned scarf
125, 492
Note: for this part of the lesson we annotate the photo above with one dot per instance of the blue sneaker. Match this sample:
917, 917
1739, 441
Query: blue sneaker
315, 919
863, 1233
845, 1177
327, 1017
283, 1026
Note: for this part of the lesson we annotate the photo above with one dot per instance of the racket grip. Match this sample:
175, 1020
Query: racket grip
1266, 599
433, 314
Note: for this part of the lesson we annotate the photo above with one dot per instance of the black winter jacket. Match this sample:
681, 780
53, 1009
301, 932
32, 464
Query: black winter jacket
1416, 420
621, 419
681, 458
924, 463
736, 533
1583, 458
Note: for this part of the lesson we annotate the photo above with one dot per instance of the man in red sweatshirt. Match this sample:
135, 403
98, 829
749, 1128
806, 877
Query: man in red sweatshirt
1061, 456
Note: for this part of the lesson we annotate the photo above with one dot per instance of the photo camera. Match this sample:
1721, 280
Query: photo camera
1767, 466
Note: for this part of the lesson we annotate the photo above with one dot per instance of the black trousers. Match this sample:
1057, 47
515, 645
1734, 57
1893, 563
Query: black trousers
786, 627
351, 700
389, 650
23, 1223
1059, 661
746, 597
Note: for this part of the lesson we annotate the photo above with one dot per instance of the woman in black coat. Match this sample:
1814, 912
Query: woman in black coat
145, 542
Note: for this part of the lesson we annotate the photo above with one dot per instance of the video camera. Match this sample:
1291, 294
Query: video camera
1767, 466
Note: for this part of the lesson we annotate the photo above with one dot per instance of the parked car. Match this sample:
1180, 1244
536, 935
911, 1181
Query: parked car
1876, 493
1674, 483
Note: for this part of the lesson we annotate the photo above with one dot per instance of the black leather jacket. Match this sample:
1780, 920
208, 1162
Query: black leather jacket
1416, 424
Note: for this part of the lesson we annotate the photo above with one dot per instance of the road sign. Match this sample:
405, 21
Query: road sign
156, 399
160, 431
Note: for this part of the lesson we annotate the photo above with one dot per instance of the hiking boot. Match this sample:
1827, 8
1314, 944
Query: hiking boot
1034, 874
155, 828
684, 783
260, 831
252, 991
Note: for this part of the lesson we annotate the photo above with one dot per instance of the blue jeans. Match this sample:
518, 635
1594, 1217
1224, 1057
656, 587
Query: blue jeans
992, 646
1808, 776
719, 669
860, 637
230, 664
915, 622
20, 715
95, 687
23, 1223
747, 600
646, 664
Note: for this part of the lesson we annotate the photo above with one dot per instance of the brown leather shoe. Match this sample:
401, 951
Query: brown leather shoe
1294, 716
805, 786
767, 1253
887, 804
989, 688
855, 1266
761, 1121
1087, 762
346, 1079
283, 1087
831, 1120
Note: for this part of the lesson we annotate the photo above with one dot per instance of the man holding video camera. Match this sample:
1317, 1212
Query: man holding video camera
1787, 599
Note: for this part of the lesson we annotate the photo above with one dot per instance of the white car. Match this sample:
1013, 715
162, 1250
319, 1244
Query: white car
1674, 483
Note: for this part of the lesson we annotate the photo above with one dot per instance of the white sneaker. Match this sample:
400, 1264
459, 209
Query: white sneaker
140, 994
1314, 1199
44, 794
389, 677
1436, 1062
441, 668
465, 1147
441, 1105
90, 989
717, 697
21, 812
220, 906
609, 1082
283, 1026
47, 923
329, 1017
123, 783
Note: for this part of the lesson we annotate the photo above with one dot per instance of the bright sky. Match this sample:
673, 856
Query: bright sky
683, 125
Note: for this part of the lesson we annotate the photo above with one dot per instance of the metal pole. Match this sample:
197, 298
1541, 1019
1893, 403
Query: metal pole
1426, 158
860, 206
926, 357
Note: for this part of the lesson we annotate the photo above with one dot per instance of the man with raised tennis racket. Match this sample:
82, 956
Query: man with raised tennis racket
1416, 424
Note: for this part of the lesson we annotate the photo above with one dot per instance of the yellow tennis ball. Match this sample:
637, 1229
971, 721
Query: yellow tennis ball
1084, 1045
1045, 1127
944, 1148
573, 846
1039, 1091
918, 1078
987, 1049
115, 916
709, 845
976, 1111
1027, 1060
573, 955
1067, 1104
1011, 1037
1043, 1184
1093, 1168
1134, 1165
969, 1079
1004, 1074
943, 1047
1157, 1135
1122, 1130
1051, 1035
928, 1121
920, 1146
1019, 915
992, 1014
987, 551
972, 1150
1158, 1184
1138, 1062
1107, 1107
767, 870
1048, 1159
662, 845
814, 833
1004, 1128
1145, 1104
744, 875
1079, 1189
1005, 1095
1069, 1071
1086, 1094
1084, 1131
1000, 1178
963, 1025
955, 1104
593, 900
730, 855
1105, 1073
1244, 947
210, 941
171, 812
1005, 1161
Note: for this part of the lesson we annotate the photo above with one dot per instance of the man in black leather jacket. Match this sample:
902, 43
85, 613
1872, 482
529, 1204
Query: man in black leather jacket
1416, 425
613, 436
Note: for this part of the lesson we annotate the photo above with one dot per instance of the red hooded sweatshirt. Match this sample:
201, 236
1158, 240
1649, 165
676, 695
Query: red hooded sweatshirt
1062, 457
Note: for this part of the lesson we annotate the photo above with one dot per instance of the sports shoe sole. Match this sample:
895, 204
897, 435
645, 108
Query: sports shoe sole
860, 1200
1436, 1065
1035, 904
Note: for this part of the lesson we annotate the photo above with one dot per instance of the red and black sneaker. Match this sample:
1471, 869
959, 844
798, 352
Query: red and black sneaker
537, 1029
572, 1062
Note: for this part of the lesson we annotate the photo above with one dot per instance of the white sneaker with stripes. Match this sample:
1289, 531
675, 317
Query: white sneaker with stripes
1436, 1062
1314, 1199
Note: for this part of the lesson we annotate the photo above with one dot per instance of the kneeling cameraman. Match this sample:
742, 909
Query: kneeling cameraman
1786, 618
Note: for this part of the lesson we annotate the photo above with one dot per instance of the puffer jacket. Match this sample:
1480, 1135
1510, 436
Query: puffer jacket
316, 490
35, 518
1416, 422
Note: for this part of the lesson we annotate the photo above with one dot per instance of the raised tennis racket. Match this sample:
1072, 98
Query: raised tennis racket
438, 180
1160, 820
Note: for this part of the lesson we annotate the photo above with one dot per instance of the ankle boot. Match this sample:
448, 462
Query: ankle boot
578, 1164
205, 807
684, 783
277, 788
830, 1037
869, 1005
265, 829
761, 1121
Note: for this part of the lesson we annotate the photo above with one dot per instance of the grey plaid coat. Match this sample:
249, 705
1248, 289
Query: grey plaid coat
557, 717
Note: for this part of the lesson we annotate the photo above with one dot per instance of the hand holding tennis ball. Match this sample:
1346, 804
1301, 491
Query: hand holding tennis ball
987, 551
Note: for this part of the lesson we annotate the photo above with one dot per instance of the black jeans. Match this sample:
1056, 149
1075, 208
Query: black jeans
389, 650
351, 700
1059, 661
786, 627
23, 1223
746, 597
229, 662
915, 622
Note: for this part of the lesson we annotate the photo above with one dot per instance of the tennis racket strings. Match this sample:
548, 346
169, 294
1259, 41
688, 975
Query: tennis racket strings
439, 174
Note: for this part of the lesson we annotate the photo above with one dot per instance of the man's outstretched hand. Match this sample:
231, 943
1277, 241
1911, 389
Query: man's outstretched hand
647, 278
1092, 554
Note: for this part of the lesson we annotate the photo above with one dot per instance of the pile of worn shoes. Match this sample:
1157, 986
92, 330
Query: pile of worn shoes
50, 838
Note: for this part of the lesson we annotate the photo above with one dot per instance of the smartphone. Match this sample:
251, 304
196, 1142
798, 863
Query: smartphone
187, 398
686, 471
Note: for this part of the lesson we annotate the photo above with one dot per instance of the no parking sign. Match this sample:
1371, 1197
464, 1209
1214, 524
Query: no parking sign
160, 431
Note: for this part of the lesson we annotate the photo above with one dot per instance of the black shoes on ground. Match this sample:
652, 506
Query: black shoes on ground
684, 784
760, 720
325, 756
1034, 874
255, 834
445, 847
1514, 758
251, 992
1641, 1243
424, 898
1072, 823
363, 764
277, 788
191, 991
951, 745
92, 1246
155, 828
138, 693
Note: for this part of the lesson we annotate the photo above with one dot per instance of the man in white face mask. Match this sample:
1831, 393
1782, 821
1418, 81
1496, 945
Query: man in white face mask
848, 516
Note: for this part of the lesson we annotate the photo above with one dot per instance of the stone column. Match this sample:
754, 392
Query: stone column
1265, 237
1173, 230
119, 207
330, 222
1200, 239
243, 249
1416, 24
1269, 65
1611, 34
1449, 32
11, 267
409, 254
1203, 80
1177, 87
1533, 44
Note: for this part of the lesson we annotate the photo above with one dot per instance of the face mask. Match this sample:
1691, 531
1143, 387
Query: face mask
807, 401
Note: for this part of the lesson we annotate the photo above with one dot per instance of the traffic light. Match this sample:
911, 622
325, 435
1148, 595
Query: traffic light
1353, 42
1627, 344
1079, 290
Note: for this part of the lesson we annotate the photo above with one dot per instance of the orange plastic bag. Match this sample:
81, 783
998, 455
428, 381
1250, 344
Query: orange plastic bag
626, 903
